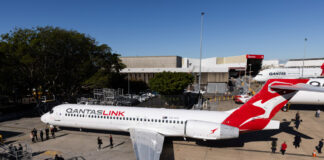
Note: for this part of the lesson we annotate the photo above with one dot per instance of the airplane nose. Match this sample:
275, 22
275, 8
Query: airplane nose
44, 118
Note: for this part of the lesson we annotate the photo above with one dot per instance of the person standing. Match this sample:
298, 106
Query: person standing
274, 146
32, 136
20, 150
297, 117
53, 132
99, 142
283, 148
41, 134
35, 134
317, 114
47, 133
111, 141
320, 146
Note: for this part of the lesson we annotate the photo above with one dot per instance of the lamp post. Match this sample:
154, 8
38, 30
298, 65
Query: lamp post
250, 77
201, 36
304, 57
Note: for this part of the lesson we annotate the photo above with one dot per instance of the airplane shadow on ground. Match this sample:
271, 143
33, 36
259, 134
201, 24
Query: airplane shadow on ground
8, 134
37, 153
306, 107
293, 154
265, 135
94, 131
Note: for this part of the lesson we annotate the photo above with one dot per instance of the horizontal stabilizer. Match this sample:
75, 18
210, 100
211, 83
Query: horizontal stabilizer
298, 87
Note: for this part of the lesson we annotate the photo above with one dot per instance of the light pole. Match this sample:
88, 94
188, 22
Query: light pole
201, 36
304, 57
250, 78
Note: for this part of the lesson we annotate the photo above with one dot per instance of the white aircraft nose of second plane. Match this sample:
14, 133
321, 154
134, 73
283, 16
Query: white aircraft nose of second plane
44, 118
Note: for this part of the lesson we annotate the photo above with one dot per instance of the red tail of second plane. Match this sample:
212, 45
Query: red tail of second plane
261, 108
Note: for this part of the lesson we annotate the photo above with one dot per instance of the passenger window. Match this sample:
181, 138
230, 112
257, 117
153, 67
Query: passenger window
174, 121
166, 121
181, 122
140, 119
126, 118
162, 121
113, 117
177, 122
144, 119
159, 120
155, 120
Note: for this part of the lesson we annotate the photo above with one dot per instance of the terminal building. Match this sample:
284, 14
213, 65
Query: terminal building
215, 72
307, 63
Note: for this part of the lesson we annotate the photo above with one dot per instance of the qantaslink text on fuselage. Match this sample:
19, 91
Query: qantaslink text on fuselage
95, 112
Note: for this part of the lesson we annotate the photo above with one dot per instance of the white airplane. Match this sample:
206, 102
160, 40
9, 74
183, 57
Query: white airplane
288, 73
302, 97
149, 126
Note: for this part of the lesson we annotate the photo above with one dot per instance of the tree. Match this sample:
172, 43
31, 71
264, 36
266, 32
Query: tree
170, 83
54, 59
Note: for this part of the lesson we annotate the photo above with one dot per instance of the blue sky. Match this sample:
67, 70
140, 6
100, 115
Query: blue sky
275, 28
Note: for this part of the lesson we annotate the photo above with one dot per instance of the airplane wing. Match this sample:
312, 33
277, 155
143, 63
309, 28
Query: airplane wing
299, 87
147, 144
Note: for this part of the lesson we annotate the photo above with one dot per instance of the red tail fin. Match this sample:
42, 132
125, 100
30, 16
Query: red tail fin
260, 109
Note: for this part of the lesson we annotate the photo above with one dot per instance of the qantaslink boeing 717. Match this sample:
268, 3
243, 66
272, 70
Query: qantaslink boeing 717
149, 126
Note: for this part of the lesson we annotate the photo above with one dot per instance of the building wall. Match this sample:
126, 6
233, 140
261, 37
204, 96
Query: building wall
152, 62
233, 59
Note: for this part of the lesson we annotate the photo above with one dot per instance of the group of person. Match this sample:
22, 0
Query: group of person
15, 152
99, 142
34, 137
297, 139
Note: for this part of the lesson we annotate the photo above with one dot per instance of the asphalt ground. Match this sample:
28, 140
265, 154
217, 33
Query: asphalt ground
250, 146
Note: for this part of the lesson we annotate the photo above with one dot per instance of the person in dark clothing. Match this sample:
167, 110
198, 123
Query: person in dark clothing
274, 146
53, 132
99, 142
297, 141
41, 134
320, 146
20, 150
56, 157
111, 141
32, 136
47, 133
283, 148
10, 148
35, 134
297, 117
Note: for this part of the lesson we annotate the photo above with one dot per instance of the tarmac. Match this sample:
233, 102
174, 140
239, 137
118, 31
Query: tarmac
250, 146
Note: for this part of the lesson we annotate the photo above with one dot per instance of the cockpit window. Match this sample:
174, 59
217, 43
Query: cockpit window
51, 111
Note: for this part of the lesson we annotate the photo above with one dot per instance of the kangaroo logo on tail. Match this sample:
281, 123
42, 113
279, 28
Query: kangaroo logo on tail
261, 108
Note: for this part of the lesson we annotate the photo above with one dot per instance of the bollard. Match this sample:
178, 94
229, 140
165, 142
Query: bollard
314, 154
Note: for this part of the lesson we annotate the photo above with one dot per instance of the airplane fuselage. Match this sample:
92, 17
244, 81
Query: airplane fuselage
169, 122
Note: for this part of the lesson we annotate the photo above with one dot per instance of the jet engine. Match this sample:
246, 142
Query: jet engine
209, 130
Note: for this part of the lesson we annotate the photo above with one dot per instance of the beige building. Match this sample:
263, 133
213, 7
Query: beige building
214, 71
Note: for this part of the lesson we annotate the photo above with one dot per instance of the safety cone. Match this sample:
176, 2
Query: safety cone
314, 153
